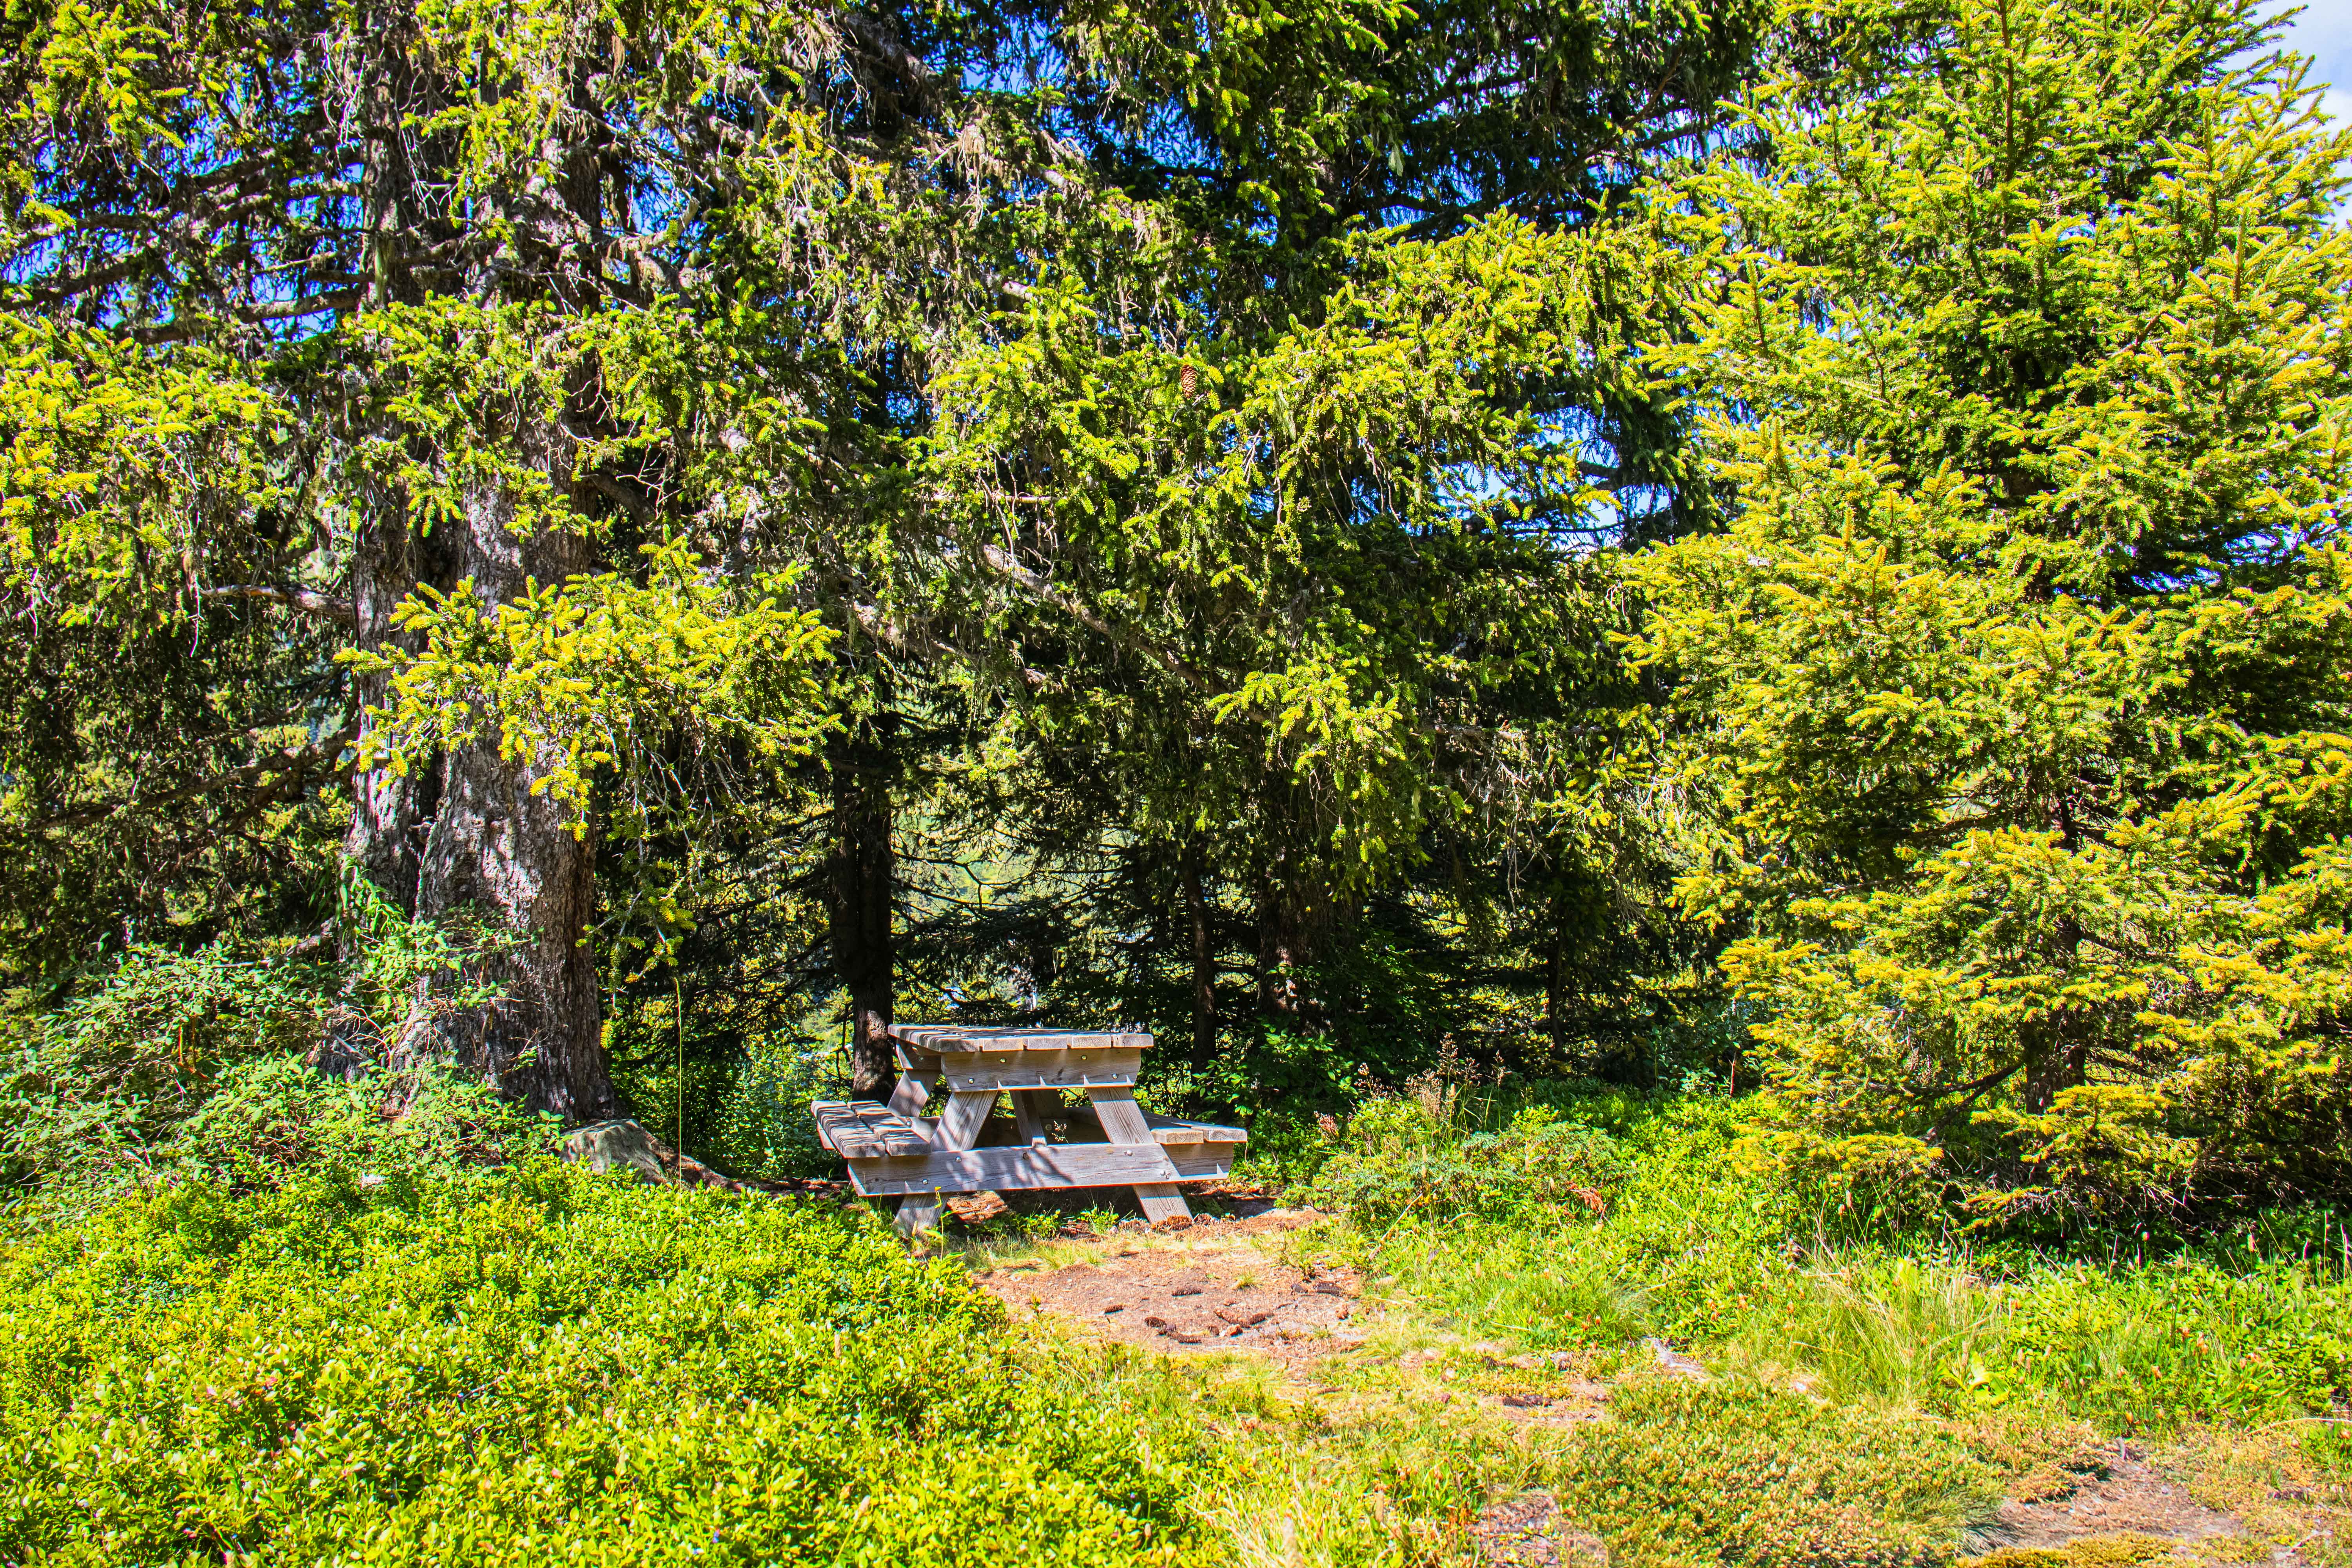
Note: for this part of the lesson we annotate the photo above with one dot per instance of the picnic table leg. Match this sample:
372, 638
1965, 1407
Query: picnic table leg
912, 1094
1122, 1122
959, 1129
1024, 1112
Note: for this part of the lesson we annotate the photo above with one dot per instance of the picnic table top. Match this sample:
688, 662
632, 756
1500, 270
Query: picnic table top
958, 1039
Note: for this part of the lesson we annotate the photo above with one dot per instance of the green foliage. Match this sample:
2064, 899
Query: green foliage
1684, 1474
545, 1364
91, 1087
199, 1065
2012, 694
600, 671
277, 1120
1699, 1248
1407, 1159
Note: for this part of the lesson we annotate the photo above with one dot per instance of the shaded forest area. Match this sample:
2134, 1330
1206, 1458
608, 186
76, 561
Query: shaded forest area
606, 552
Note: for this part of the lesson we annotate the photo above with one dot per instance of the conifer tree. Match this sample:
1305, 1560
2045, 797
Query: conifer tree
2014, 695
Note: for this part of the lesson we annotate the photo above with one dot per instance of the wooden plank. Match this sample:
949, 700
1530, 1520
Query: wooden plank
967, 1112
862, 1129
946, 1038
1201, 1162
1123, 1123
1169, 1130
1021, 1167
995, 1071
913, 1092
1028, 1118
958, 1129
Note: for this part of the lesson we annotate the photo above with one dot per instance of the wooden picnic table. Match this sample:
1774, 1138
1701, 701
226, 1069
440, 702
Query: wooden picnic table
896, 1150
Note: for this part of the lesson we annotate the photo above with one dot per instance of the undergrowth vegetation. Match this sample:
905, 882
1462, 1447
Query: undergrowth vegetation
1569, 1215
544, 1365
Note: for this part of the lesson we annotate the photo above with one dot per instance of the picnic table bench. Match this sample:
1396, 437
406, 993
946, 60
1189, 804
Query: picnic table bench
895, 1150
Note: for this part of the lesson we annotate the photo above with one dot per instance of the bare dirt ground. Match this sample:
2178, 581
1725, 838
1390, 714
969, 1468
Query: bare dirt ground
1213, 1285
2126, 1496
1234, 1285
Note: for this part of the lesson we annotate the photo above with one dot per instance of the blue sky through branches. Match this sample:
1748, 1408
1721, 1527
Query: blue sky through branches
2324, 31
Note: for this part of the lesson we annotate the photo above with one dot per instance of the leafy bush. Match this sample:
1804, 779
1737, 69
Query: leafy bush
541, 1365
1734, 1474
86, 1091
180, 1064
275, 1117
1409, 1158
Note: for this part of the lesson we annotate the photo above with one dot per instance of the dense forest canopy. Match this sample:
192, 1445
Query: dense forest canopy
616, 548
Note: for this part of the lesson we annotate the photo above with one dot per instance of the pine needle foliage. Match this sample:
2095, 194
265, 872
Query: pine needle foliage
2014, 692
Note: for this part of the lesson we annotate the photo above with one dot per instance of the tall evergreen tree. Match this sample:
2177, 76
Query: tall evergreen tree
2013, 696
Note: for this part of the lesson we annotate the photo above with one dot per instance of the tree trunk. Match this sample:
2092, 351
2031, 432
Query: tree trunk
859, 910
500, 857
1556, 992
1204, 962
1282, 953
2058, 1049
384, 847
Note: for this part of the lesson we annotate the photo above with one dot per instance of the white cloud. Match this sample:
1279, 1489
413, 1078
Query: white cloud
2324, 31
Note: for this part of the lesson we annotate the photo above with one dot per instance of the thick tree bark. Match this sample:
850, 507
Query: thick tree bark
498, 854
1204, 961
385, 844
384, 847
859, 907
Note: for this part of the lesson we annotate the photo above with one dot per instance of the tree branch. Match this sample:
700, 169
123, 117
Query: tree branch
304, 599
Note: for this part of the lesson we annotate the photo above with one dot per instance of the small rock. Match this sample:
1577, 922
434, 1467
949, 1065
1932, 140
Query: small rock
976, 1208
1674, 1362
617, 1145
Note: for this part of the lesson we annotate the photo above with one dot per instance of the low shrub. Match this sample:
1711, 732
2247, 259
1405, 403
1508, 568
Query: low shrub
540, 1365
1730, 1474
1408, 1158
274, 1118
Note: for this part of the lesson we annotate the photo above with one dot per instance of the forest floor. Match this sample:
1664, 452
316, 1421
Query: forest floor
1268, 1298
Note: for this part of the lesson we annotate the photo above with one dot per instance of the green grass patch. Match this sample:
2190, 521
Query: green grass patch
1479, 1214
545, 1365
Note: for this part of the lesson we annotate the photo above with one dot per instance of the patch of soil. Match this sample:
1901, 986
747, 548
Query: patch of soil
1529, 1531
2125, 1496
1214, 1292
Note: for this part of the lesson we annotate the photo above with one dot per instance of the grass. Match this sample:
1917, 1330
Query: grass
1875, 1392
2242, 1326
562, 1364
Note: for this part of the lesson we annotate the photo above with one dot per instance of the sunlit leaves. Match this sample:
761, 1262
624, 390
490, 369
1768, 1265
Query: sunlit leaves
576, 681
2014, 689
